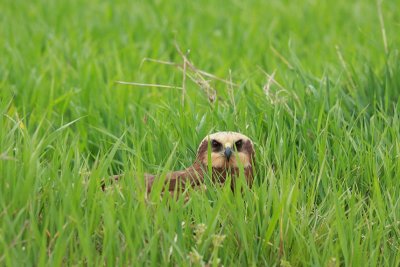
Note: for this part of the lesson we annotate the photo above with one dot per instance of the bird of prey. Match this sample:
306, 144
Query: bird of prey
227, 152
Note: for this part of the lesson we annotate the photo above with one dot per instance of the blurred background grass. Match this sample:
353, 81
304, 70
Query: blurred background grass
326, 136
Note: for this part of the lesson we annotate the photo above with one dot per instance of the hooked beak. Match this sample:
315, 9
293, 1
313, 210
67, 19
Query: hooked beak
228, 152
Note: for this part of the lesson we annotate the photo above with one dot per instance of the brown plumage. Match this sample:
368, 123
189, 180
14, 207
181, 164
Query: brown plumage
229, 151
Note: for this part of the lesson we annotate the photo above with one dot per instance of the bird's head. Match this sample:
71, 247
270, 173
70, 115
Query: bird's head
228, 150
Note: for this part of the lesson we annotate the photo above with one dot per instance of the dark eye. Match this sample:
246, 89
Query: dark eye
215, 144
239, 144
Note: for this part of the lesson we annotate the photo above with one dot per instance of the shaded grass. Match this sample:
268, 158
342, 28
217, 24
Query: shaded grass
327, 187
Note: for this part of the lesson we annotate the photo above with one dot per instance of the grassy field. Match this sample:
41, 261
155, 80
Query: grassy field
316, 86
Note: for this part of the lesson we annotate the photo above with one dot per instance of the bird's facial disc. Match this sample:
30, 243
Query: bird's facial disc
228, 150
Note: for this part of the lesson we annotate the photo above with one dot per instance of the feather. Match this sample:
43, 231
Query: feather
221, 166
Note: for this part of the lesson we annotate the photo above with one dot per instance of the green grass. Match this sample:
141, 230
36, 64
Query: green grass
327, 189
